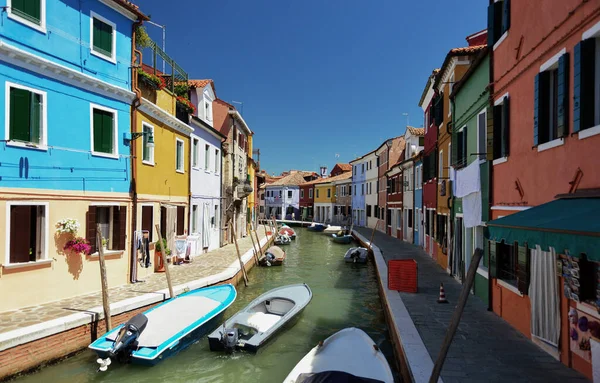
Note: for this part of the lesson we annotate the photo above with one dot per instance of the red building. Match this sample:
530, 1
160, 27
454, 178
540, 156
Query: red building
545, 199
307, 199
339, 169
428, 102
388, 154
395, 191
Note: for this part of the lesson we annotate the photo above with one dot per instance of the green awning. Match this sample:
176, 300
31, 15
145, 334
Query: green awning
571, 224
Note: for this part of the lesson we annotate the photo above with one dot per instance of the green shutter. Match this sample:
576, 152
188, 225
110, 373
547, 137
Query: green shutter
505, 15
490, 133
103, 37
493, 268
536, 109
505, 150
577, 87
523, 268
103, 131
491, 26
454, 148
563, 95
20, 117
30, 10
36, 118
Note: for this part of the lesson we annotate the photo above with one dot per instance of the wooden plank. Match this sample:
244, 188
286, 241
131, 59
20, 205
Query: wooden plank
237, 249
164, 259
103, 281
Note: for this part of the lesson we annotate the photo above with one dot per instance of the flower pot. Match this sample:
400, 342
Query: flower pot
159, 266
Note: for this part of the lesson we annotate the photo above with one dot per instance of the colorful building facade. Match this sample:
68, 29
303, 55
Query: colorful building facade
388, 154
359, 175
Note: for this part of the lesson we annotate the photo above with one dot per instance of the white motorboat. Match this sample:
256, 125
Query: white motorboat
254, 325
349, 355
332, 229
356, 255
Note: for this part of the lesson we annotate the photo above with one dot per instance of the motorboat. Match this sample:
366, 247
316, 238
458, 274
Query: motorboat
356, 255
282, 239
317, 227
165, 329
287, 231
253, 326
340, 237
274, 256
349, 355
332, 229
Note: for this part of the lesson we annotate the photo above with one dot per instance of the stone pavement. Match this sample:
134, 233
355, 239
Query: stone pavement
485, 347
205, 265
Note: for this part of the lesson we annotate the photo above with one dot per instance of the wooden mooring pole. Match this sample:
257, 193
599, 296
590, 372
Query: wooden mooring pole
103, 281
237, 249
454, 322
164, 259
373, 235
253, 245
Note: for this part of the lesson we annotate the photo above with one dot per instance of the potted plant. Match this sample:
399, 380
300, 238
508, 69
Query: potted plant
152, 80
159, 248
67, 226
78, 245
104, 244
186, 105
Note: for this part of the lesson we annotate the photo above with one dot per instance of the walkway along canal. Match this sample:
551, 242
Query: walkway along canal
345, 295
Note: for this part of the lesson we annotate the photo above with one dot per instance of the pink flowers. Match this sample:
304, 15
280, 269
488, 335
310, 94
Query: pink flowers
78, 245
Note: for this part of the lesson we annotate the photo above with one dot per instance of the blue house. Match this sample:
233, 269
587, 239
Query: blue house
359, 176
66, 69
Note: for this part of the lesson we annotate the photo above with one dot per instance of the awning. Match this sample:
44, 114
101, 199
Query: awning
571, 224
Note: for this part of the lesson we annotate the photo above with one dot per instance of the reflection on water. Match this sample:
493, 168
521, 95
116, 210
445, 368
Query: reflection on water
344, 295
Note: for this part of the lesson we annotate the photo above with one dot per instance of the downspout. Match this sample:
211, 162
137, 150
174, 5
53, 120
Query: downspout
134, 105
221, 199
490, 168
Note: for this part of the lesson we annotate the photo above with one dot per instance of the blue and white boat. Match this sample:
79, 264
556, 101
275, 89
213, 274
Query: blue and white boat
318, 227
165, 329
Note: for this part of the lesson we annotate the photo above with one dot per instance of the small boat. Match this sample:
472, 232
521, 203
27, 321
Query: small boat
342, 238
165, 329
356, 255
283, 239
274, 256
349, 355
332, 229
288, 231
318, 227
253, 326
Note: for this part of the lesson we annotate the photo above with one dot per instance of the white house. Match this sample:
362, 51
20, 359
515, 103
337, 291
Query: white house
282, 197
371, 192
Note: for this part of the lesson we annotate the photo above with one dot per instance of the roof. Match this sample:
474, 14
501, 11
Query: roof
431, 76
363, 156
344, 167
128, 5
464, 51
341, 177
474, 65
419, 132
565, 224
202, 84
394, 140
293, 179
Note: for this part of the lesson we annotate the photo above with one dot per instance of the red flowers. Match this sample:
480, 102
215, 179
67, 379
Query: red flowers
78, 245
187, 104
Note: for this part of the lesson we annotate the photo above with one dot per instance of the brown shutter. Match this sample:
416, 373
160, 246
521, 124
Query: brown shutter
163, 222
90, 218
119, 227
147, 220
180, 220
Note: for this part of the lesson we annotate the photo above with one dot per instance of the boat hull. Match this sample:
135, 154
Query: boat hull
316, 228
344, 239
362, 258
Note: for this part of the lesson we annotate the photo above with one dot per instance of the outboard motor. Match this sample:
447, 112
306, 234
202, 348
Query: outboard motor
126, 341
229, 338
270, 258
355, 255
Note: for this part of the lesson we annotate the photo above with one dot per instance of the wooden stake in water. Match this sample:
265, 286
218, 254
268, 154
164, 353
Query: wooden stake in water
237, 249
164, 259
373, 235
104, 283
254, 246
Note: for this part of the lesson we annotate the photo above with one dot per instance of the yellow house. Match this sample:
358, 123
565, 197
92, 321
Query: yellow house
162, 168
324, 201
252, 205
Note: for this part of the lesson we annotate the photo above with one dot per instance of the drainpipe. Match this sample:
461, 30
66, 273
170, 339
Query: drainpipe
221, 198
490, 168
134, 105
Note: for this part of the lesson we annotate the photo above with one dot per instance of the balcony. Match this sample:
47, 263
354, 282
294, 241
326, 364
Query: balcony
243, 190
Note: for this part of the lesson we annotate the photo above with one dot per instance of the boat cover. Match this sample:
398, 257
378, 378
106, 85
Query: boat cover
260, 321
333, 377
167, 320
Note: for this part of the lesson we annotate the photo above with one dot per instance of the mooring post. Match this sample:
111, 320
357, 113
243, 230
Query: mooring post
454, 322
164, 259
237, 249
373, 235
253, 246
103, 281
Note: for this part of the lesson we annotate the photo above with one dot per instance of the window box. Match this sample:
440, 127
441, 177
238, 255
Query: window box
103, 37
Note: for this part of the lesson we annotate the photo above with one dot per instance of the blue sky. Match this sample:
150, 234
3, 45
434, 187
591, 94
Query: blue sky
316, 77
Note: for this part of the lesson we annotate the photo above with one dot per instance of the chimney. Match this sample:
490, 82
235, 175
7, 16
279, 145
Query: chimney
323, 171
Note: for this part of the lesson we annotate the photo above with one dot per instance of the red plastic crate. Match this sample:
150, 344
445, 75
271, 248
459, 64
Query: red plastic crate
402, 275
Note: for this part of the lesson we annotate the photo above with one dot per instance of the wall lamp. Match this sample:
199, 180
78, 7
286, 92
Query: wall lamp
136, 135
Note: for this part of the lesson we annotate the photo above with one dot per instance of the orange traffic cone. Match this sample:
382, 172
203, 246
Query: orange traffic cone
442, 298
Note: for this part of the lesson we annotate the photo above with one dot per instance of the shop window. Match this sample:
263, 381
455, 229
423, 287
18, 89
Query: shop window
113, 226
28, 226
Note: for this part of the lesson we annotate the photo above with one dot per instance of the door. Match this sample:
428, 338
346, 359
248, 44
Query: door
431, 235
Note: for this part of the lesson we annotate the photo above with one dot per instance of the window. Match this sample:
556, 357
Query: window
104, 131
461, 148
398, 219
193, 227
388, 216
586, 113
368, 210
441, 166
28, 232
501, 127
410, 218
289, 193
113, 226
207, 109
310, 193
195, 145
498, 20
179, 167
551, 101
180, 220
349, 190
376, 212
302, 193
215, 218
103, 37
481, 134
26, 113
354, 168
261, 209
206, 157
317, 193
147, 153
280, 194
148, 220
507, 263
217, 163
440, 234
328, 192
363, 168
29, 12
362, 189
371, 164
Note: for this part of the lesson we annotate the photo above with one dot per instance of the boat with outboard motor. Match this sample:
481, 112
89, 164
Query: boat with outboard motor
282, 239
285, 229
165, 329
274, 256
342, 237
349, 355
316, 227
332, 229
356, 255
254, 325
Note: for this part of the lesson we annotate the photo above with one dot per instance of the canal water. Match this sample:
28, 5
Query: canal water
344, 295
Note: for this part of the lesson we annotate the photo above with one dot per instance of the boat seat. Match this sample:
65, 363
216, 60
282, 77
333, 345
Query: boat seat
260, 321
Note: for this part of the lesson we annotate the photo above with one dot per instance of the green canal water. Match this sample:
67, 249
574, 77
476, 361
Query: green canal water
344, 295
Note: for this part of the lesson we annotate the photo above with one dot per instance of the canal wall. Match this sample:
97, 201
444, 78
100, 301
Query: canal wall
30, 348
413, 359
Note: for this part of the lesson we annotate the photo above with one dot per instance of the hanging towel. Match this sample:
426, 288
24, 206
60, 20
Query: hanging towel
472, 209
467, 180
544, 296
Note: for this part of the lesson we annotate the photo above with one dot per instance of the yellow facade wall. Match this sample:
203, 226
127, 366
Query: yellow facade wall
62, 275
321, 196
251, 172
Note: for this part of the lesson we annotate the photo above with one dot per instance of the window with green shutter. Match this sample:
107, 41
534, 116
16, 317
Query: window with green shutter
179, 156
30, 10
103, 131
551, 102
586, 89
26, 116
102, 37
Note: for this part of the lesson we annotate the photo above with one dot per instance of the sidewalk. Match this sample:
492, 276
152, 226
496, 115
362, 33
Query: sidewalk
485, 347
205, 265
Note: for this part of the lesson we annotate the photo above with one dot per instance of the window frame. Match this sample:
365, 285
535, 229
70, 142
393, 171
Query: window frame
195, 141
593, 33
113, 57
40, 28
45, 235
482, 157
177, 169
310, 193
44, 140
440, 166
151, 160
115, 153
217, 161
